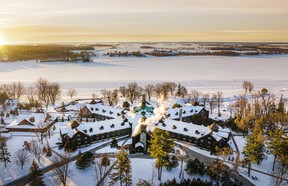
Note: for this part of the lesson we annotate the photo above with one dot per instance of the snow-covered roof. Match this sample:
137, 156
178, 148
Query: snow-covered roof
93, 128
104, 110
34, 120
216, 136
188, 129
186, 111
223, 132
139, 144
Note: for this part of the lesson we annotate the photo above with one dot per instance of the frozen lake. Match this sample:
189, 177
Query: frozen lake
205, 73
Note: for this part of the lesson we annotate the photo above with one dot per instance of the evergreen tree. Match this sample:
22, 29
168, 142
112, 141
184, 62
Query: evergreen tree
254, 149
122, 170
2, 121
84, 160
161, 146
114, 143
278, 146
194, 167
281, 105
173, 163
4, 154
35, 175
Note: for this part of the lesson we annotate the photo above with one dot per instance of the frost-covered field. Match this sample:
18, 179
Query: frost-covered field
204, 73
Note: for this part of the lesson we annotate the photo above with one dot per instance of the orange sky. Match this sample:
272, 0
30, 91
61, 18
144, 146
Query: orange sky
46, 21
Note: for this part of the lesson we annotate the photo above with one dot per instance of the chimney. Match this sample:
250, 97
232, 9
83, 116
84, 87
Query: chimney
144, 97
180, 114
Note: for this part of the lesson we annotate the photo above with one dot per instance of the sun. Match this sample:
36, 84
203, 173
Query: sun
2, 42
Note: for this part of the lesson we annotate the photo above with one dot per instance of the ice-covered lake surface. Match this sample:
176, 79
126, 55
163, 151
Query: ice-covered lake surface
204, 73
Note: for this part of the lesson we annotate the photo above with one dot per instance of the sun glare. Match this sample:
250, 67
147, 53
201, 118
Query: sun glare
1, 40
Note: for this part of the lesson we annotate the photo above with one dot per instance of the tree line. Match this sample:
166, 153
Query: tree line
42, 92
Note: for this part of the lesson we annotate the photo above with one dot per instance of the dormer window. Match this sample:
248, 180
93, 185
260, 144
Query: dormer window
85, 131
163, 124
174, 127
91, 130
112, 126
122, 124
111, 112
101, 128
92, 108
118, 114
176, 114
32, 119
168, 115
184, 112
185, 129
196, 111
96, 109
191, 110
197, 132
103, 110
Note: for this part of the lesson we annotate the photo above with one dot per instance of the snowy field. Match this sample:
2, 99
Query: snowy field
204, 73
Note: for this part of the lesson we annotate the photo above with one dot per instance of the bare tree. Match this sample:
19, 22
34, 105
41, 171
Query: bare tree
31, 94
245, 85
248, 86
181, 157
132, 91
153, 173
139, 91
36, 149
212, 102
158, 90
62, 172
267, 102
42, 90
205, 98
240, 106
165, 89
115, 97
149, 90
195, 95
172, 87
12, 89
54, 92
107, 94
102, 167
219, 101
20, 89
123, 91
21, 157
71, 93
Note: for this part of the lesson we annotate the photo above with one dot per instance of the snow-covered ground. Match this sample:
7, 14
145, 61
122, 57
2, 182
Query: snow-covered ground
204, 73
141, 169
14, 143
